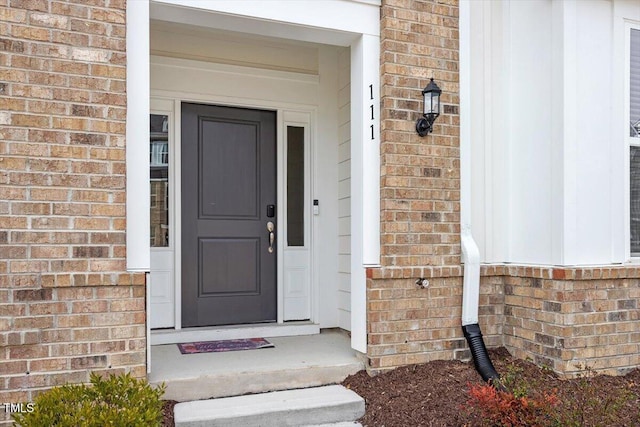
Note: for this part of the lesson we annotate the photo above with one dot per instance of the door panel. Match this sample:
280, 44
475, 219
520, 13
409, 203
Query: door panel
228, 180
220, 275
229, 175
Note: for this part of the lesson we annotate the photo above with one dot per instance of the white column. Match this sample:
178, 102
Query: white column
365, 177
137, 137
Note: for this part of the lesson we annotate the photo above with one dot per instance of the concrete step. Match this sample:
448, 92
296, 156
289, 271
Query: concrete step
302, 407
240, 383
295, 362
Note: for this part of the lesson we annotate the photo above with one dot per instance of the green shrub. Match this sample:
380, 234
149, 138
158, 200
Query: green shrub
117, 401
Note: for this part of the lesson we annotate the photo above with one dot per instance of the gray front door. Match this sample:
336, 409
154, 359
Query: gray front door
228, 198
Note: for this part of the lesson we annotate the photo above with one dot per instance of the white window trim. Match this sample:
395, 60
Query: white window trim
629, 140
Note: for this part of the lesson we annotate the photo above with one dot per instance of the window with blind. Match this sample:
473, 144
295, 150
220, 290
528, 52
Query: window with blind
634, 138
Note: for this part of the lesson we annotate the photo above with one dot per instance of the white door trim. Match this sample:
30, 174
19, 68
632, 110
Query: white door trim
297, 297
287, 113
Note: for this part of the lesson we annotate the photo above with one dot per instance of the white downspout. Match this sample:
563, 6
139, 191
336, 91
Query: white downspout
471, 280
470, 251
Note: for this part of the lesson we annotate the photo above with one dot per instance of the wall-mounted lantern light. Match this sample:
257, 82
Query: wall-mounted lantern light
431, 108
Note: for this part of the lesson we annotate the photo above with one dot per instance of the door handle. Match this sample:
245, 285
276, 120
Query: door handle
270, 228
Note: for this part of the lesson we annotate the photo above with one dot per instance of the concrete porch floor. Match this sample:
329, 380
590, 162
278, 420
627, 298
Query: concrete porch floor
295, 362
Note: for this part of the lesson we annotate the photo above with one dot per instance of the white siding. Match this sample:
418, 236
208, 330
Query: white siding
326, 188
547, 131
530, 131
594, 176
344, 190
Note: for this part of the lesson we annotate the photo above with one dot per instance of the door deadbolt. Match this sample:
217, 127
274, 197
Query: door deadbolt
271, 211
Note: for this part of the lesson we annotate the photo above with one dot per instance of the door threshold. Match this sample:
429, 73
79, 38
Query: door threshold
216, 333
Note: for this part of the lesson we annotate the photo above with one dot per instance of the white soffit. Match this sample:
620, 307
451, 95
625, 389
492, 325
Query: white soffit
333, 22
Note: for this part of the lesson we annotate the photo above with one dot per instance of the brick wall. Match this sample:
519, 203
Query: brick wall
67, 305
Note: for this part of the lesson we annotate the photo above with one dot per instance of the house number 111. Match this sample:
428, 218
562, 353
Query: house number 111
371, 107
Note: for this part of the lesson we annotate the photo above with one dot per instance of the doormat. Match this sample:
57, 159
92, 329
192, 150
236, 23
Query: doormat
226, 345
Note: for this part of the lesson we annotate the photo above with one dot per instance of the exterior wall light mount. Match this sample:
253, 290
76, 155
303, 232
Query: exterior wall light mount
431, 108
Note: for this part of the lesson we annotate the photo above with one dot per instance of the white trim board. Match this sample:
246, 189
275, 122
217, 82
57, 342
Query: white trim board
232, 84
230, 69
137, 129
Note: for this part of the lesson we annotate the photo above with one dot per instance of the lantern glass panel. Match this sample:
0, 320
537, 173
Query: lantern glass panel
435, 103
426, 103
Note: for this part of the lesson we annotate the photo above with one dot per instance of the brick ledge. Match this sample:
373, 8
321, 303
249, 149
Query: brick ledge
618, 271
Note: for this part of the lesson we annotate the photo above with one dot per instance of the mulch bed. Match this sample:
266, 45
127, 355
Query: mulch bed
167, 413
436, 394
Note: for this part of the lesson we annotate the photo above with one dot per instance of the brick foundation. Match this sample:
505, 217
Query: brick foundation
568, 318
408, 324
563, 318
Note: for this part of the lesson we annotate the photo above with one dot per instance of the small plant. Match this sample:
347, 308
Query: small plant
512, 381
586, 403
505, 409
117, 401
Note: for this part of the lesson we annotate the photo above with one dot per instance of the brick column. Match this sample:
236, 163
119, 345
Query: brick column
67, 304
420, 192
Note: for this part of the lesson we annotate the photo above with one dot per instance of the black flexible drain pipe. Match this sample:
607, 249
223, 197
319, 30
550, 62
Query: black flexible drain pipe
479, 352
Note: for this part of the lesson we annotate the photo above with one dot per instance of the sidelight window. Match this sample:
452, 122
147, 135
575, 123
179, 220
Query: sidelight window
159, 185
295, 186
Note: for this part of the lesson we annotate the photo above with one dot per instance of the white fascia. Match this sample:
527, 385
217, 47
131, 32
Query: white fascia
335, 22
